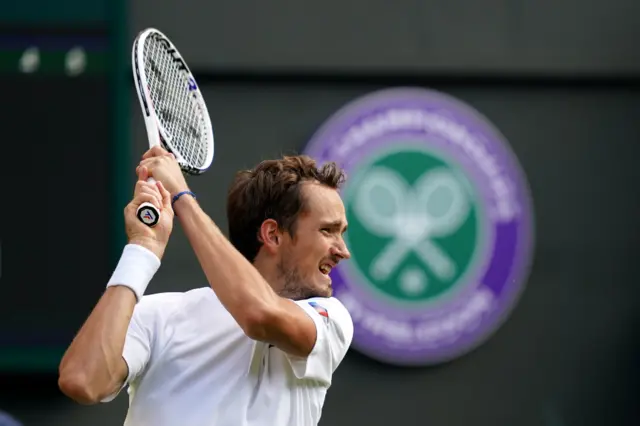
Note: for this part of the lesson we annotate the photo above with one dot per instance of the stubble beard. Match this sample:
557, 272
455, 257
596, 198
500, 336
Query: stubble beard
293, 285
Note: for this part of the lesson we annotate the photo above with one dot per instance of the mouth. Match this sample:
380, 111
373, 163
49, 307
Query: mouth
325, 268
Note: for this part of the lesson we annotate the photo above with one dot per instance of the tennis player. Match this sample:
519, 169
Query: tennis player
260, 344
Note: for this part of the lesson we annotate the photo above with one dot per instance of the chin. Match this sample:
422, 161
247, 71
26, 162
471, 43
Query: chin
324, 287
307, 286
322, 290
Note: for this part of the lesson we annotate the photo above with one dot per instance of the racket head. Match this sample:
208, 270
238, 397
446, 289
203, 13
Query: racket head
173, 107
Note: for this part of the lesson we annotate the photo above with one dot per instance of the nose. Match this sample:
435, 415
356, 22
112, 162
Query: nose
340, 250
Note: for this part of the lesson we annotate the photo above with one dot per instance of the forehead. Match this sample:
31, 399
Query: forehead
323, 203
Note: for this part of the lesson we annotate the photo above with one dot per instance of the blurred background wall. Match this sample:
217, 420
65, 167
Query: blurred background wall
559, 79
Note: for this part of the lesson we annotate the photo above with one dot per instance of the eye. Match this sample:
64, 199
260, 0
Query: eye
326, 231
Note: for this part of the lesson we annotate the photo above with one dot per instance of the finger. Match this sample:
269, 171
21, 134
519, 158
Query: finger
138, 188
166, 196
143, 173
148, 154
153, 191
147, 198
141, 185
155, 151
148, 163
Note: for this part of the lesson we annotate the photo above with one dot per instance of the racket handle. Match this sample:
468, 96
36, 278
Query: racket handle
147, 213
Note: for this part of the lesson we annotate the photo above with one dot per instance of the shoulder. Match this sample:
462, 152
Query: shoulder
325, 304
334, 328
167, 304
331, 309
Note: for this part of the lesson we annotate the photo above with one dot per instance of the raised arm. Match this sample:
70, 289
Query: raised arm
93, 366
262, 314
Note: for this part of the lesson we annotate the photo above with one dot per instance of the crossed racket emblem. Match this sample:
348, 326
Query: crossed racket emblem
435, 206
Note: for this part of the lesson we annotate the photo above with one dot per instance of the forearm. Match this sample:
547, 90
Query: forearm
239, 286
93, 366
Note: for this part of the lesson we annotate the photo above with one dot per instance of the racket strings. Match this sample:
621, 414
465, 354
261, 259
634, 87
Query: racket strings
175, 106
189, 122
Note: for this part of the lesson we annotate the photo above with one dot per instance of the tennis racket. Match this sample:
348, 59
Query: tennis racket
174, 110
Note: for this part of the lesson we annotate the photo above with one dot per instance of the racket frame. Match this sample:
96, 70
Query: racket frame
156, 134
155, 131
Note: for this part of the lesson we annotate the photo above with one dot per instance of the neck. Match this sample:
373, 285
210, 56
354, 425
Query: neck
268, 272
276, 275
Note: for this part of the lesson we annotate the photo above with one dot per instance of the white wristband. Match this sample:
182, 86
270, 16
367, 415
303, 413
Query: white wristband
136, 268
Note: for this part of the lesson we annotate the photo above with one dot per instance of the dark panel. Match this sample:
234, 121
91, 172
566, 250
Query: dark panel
36, 401
378, 36
68, 12
54, 216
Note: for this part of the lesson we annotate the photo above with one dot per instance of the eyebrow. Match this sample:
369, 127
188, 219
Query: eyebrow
336, 224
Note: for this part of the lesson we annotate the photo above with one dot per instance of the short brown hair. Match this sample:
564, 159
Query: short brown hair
272, 190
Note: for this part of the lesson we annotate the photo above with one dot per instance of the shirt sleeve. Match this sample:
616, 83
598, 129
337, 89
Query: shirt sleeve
139, 340
334, 328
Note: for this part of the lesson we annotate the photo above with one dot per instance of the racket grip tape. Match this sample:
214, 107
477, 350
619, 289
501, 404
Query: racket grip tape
148, 214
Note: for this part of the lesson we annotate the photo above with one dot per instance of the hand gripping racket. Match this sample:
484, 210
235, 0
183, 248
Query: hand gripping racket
174, 111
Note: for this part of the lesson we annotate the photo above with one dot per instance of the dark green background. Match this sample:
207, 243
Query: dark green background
61, 166
55, 12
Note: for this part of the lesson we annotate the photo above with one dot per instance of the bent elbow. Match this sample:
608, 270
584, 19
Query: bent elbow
256, 324
78, 388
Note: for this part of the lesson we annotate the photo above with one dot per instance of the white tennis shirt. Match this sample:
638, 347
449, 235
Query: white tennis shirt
190, 364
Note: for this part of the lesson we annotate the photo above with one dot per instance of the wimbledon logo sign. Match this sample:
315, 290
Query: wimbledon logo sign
440, 224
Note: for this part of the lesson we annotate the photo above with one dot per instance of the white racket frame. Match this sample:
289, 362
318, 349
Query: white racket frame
156, 133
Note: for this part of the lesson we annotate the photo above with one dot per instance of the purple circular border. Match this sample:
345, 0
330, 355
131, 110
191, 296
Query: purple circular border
513, 244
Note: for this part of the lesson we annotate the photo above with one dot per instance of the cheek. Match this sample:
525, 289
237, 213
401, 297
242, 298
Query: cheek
310, 250
307, 256
319, 251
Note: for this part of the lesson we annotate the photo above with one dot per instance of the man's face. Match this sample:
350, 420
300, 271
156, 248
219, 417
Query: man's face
317, 246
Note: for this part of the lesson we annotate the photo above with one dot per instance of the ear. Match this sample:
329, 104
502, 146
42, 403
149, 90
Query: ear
270, 235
